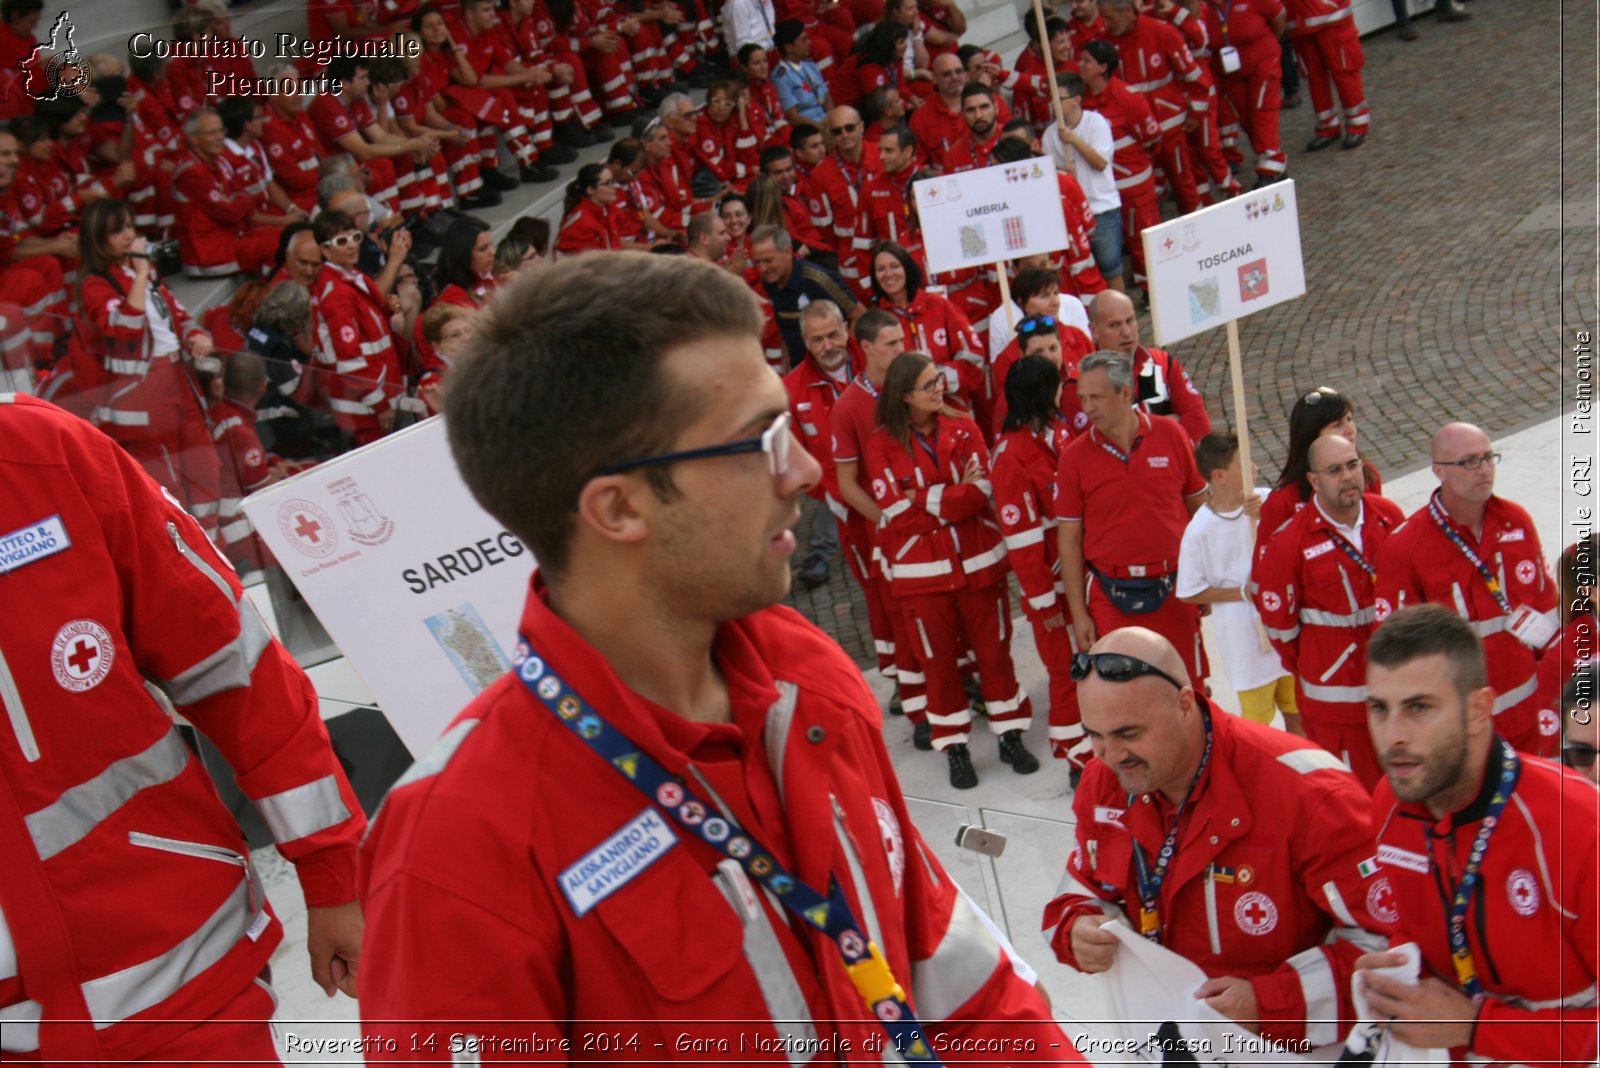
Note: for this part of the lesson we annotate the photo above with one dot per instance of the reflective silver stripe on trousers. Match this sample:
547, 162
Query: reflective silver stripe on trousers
965, 959
304, 810
79, 810
1321, 995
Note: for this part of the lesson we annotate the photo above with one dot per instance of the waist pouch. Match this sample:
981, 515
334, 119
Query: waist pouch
1135, 596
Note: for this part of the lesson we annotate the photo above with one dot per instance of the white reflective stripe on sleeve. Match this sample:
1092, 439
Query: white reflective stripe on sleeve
344, 367
895, 509
1321, 994
983, 560
118, 417
935, 498
1305, 761
1283, 635
1583, 999
349, 407
909, 571
19, 1027
1333, 694
1043, 601
125, 322
1341, 911
438, 755
1515, 696
304, 810
229, 668
80, 809
966, 957
1028, 537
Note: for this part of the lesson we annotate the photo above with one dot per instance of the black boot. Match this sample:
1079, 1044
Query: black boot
1015, 753
962, 774
499, 181
922, 736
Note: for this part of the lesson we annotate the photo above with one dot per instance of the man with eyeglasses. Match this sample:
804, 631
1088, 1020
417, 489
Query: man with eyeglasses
1313, 585
223, 227
1479, 554
840, 183
1235, 845
651, 817
1491, 854
938, 123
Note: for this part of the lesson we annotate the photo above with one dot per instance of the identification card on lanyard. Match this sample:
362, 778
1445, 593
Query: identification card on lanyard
863, 960
1151, 876
1466, 968
1450, 532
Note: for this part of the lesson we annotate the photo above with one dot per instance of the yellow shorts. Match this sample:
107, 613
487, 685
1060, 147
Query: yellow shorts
1259, 704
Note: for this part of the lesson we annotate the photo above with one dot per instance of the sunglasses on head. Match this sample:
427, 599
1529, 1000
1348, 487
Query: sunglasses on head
1578, 755
1116, 667
1316, 395
1035, 323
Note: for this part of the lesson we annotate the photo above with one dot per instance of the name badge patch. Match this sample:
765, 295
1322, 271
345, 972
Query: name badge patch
1514, 534
33, 542
1104, 814
1318, 549
609, 866
1403, 858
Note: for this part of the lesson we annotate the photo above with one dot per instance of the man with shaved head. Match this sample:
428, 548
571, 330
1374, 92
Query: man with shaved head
1313, 588
1479, 554
1163, 387
938, 123
836, 185
1235, 845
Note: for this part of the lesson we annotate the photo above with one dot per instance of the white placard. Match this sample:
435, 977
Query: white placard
975, 218
1224, 262
420, 588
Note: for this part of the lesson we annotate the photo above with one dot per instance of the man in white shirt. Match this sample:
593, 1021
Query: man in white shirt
748, 22
1085, 148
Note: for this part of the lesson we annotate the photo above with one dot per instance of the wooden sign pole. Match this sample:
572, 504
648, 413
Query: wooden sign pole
1236, 372
1049, 65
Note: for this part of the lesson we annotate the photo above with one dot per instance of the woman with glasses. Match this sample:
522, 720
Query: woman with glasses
929, 470
724, 141
1041, 335
133, 362
932, 325
1025, 461
589, 224
1322, 411
356, 359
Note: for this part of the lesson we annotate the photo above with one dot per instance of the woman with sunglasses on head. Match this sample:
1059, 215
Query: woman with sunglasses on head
1036, 290
1024, 474
357, 362
1322, 411
1041, 335
932, 325
589, 224
132, 363
946, 562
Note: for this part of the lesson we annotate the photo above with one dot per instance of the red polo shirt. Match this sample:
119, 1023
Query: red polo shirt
1131, 506
855, 417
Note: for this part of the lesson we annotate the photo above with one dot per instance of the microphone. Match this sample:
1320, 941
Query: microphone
137, 256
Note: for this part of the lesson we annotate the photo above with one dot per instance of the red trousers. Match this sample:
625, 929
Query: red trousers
1350, 742
1333, 55
1257, 100
1139, 211
855, 540
1056, 649
936, 624
1214, 180
1173, 160
1175, 621
573, 100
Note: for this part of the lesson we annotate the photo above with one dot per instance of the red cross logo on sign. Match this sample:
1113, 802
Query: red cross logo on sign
1522, 890
308, 529
1255, 913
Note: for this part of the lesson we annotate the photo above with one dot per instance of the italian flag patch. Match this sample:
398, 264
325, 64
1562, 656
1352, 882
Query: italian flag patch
1367, 867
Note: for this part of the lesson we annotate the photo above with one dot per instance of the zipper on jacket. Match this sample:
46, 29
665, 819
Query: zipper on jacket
203, 851
12, 698
1211, 910
199, 565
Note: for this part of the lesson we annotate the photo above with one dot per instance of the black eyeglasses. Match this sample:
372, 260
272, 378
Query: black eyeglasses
1316, 395
774, 441
1577, 755
1472, 463
1035, 323
849, 127
1116, 667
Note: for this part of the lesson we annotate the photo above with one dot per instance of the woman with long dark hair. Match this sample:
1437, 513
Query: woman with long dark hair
1322, 411
134, 359
932, 324
1024, 475
464, 276
929, 472
588, 224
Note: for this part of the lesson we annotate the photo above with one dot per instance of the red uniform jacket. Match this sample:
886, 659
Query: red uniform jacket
811, 397
244, 470
292, 147
1420, 564
968, 153
1317, 604
1163, 387
1133, 129
937, 532
840, 188
1157, 63
588, 227
1024, 477
1075, 345
358, 369
128, 889
477, 838
725, 150
934, 325
214, 209
1267, 880
1531, 924
45, 191
1309, 16
667, 184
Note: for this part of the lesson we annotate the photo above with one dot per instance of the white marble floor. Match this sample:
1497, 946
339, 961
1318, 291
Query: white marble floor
1034, 812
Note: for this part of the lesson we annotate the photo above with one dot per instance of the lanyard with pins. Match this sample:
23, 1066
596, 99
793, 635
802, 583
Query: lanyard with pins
1152, 876
866, 383
863, 960
1473, 558
1353, 553
1460, 951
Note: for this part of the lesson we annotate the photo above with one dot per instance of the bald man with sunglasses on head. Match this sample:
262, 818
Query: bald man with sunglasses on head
1235, 845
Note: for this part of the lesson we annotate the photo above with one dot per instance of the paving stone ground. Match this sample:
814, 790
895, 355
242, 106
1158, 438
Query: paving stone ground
1442, 283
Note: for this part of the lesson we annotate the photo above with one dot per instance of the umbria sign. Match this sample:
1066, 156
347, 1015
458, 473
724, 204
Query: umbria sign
1004, 212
